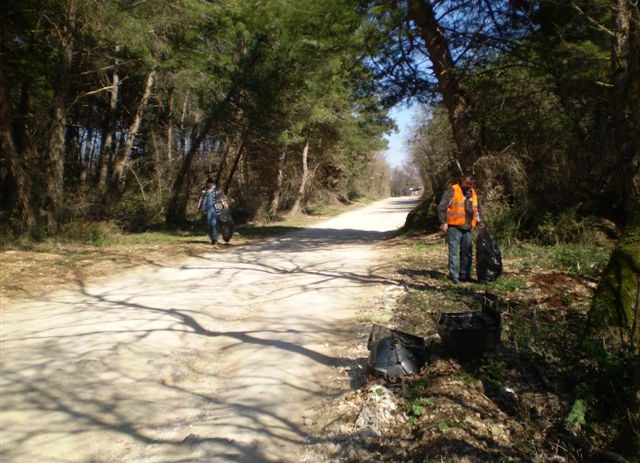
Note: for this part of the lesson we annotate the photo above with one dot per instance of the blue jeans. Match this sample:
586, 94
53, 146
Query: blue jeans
211, 221
460, 250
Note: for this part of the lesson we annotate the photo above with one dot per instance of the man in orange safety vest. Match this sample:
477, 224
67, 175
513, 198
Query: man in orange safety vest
459, 213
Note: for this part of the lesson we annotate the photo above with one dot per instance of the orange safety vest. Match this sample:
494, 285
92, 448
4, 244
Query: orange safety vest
456, 214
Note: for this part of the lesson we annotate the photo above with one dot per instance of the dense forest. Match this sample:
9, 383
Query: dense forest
118, 110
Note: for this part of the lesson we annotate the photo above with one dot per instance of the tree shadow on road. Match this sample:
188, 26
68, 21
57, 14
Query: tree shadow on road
74, 380
91, 392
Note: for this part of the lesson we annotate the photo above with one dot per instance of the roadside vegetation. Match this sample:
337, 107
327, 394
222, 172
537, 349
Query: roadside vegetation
561, 395
548, 393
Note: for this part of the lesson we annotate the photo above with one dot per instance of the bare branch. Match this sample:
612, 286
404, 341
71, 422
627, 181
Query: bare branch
595, 23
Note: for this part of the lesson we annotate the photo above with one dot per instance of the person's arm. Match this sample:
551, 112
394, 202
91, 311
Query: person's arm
223, 198
445, 201
201, 200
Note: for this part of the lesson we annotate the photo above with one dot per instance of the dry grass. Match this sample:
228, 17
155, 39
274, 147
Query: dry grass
29, 270
44, 267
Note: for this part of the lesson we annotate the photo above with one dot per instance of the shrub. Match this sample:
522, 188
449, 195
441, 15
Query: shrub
424, 217
133, 213
579, 259
504, 225
95, 233
564, 227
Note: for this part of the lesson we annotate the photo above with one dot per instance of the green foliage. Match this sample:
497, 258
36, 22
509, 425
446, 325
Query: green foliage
578, 259
493, 368
506, 284
265, 75
598, 376
95, 233
576, 418
134, 214
444, 425
504, 225
416, 408
564, 227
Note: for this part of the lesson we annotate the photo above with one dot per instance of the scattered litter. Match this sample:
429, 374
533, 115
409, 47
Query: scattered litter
394, 353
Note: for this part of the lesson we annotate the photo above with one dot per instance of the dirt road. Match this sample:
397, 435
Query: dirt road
218, 359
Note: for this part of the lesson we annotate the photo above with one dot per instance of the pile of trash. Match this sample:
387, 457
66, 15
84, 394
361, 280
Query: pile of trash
465, 335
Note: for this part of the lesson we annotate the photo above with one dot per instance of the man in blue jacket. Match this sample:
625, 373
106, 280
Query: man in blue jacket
212, 201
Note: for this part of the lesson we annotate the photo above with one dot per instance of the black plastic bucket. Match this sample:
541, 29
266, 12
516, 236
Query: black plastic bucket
470, 334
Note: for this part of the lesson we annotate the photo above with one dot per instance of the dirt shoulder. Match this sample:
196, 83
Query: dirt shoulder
526, 401
28, 274
32, 270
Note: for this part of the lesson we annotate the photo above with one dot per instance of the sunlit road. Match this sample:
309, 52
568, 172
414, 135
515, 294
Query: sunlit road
214, 360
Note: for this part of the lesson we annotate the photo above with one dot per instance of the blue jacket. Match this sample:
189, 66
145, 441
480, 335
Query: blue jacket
213, 198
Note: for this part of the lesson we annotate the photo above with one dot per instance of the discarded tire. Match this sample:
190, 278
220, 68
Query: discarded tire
394, 353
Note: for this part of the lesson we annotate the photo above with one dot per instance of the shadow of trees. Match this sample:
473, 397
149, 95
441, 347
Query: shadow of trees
131, 367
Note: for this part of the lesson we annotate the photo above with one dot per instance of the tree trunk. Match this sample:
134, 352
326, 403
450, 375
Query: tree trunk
14, 165
223, 162
275, 201
182, 118
236, 162
21, 137
108, 142
625, 103
617, 298
617, 303
303, 182
73, 155
170, 129
178, 203
54, 155
120, 161
614, 299
455, 97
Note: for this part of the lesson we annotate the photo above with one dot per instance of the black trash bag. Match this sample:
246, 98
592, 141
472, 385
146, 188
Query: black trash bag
488, 257
224, 224
394, 353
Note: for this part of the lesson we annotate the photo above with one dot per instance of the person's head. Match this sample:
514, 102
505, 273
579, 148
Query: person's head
466, 182
210, 182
